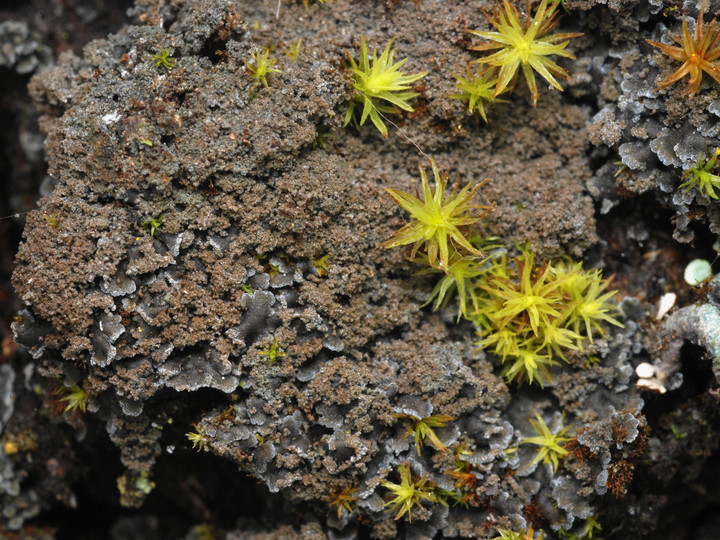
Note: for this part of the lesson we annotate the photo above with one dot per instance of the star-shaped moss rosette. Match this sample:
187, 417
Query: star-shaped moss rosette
437, 220
697, 53
377, 83
700, 176
478, 89
525, 43
260, 66
552, 445
409, 493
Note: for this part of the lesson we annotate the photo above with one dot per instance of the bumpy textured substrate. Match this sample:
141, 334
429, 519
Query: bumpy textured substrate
180, 322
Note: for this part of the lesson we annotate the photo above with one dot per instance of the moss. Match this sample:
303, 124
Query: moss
525, 44
552, 446
260, 66
379, 82
422, 428
437, 220
409, 493
163, 59
530, 314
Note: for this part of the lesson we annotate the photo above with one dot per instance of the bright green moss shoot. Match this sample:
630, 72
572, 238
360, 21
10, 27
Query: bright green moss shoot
551, 444
527, 534
462, 272
153, 224
436, 220
197, 437
409, 493
163, 59
76, 398
273, 353
422, 428
377, 83
260, 66
528, 315
700, 176
478, 89
587, 532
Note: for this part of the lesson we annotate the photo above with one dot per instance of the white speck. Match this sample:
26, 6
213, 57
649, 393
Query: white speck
645, 370
697, 271
667, 301
651, 384
111, 118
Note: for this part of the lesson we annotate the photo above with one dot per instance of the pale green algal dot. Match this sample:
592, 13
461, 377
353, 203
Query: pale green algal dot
697, 271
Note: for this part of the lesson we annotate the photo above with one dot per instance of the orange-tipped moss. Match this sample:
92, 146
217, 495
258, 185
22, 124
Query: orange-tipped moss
696, 52
342, 499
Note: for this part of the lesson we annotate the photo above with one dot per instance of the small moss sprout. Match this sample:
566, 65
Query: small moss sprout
294, 49
261, 65
273, 353
51, 220
527, 534
552, 445
422, 428
75, 398
163, 59
197, 437
462, 273
321, 265
702, 177
587, 531
153, 224
478, 89
323, 139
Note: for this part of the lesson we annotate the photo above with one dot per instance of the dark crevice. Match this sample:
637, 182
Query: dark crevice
214, 48
167, 140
